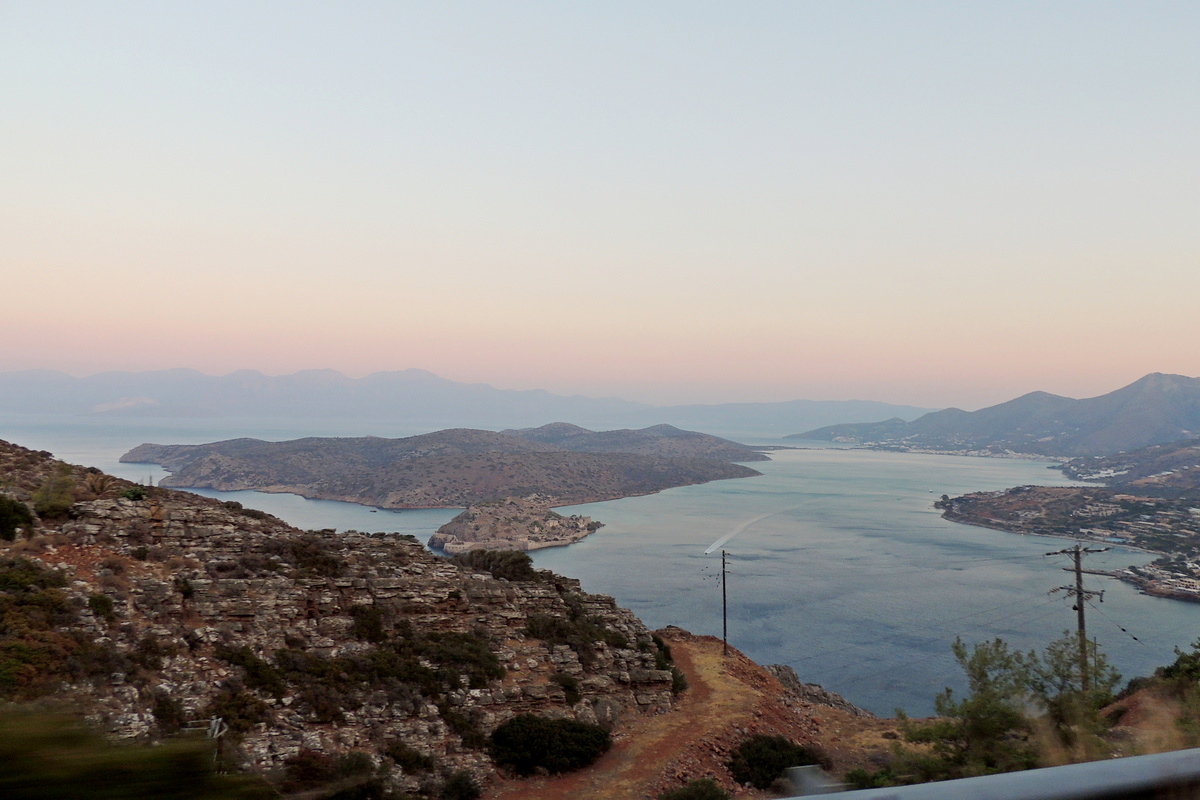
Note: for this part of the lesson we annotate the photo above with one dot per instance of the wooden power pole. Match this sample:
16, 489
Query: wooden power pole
724, 610
1080, 595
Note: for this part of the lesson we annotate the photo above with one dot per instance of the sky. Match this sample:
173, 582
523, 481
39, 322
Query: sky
934, 203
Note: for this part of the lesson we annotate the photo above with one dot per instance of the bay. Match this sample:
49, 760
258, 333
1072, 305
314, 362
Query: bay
838, 564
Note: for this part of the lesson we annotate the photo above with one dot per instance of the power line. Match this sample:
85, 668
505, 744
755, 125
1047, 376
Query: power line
1114, 622
917, 660
945, 637
942, 626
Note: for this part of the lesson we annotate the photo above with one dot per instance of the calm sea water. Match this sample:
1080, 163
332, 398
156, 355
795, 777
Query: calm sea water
838, 565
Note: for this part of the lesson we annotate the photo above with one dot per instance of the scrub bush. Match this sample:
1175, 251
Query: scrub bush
14, 516
762, 759
527, 742
701, 789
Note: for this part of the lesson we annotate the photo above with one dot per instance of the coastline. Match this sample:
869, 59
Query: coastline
1145, 585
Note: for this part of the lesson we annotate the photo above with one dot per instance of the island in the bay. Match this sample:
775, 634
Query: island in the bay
538, 468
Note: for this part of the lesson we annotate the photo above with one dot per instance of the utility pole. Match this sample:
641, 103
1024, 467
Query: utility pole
1081, 595
724, 610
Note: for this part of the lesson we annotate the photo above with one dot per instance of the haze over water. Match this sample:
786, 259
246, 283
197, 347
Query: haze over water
840, 566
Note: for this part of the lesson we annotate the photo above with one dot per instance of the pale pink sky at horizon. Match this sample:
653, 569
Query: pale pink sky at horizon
933, 203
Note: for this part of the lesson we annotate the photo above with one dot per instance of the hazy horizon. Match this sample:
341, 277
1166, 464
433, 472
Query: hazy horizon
611, 396
924, 203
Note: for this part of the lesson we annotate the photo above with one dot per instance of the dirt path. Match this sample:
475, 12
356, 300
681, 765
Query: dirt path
716, 699
728, 699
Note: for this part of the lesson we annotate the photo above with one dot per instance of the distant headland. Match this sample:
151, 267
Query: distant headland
558, 464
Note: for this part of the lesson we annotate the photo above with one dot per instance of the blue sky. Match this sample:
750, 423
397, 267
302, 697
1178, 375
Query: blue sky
935, 203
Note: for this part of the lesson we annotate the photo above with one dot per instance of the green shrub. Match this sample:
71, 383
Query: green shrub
33, 648
679, 681
168, 713
460, 786
56, 495
464, 726
512, 565
241, 711
570, 685
149, 653
662, 653
700, 789
354, 764
14, 516
38, 646
102, 606
368, 623
327, 684
468, 653
761, 759
307, 770
527, 742
185, 588
579, 633
408, 759
136, 493
258, 673
1186, 664
20, 575
312, 554
864, 779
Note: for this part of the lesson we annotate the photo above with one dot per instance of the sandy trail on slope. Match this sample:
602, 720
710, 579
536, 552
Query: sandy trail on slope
729, 697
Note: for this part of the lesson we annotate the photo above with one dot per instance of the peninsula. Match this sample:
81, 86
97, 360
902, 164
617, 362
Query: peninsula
1151, 502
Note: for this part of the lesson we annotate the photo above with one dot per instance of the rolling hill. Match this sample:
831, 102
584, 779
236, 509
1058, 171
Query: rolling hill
452, 468
1156, 409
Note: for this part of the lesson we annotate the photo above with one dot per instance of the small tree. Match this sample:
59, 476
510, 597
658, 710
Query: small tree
1056, 684
56, 495
1186, 666
986, 731
762, 759
14, 516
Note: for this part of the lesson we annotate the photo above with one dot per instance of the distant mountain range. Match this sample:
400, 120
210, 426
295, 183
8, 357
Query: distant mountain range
414, 398
562, 464
1156, 409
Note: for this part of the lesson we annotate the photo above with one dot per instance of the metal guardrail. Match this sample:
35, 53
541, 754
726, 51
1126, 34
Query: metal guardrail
1164, 775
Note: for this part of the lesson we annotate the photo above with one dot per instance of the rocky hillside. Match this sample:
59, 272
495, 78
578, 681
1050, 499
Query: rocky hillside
452, 468
150, 609
1170, 470
1153, 410
658, 440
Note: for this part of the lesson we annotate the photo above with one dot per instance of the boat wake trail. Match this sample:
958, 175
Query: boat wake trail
741, 528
